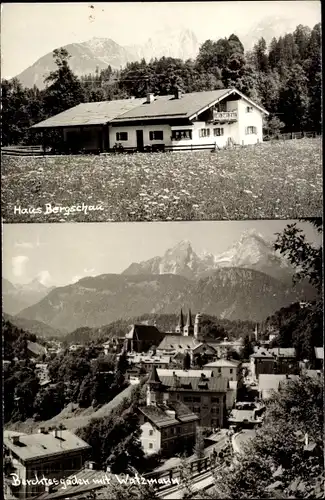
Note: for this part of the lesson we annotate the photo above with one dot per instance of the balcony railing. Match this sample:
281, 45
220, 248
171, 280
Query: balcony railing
224, 115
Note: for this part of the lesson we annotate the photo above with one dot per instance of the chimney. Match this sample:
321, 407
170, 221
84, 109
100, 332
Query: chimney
15, 440
178, 94
90, 465
150, 98
55, 432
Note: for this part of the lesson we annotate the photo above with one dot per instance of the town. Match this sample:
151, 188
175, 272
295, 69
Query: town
200, 400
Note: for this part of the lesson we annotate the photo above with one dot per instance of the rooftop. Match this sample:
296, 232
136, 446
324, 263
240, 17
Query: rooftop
159, 416
34, 446
162, 372
90, 113
188, 106
195, 384
177, 342
231, 363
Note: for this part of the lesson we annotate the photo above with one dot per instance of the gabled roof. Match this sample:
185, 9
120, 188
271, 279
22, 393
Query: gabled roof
166, 415
187, 107
34, 446
35, 348
178, 343
231, 363
90, 113
144, 332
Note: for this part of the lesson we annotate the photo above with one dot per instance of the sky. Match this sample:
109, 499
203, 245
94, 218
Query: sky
30, 30
59, 254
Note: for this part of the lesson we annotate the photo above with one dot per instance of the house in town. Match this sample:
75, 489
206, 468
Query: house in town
212, 118
247, 415
203, 393
54, 454
226, 368
166, 426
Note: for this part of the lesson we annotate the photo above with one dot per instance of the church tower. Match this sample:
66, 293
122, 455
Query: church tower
197, 326
154, 388
180, 325
189, 328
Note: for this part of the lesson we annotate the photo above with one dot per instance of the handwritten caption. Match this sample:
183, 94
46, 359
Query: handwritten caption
50, 209
100, 480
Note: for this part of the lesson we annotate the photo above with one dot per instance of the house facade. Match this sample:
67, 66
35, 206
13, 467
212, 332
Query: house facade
216, 118
54, 454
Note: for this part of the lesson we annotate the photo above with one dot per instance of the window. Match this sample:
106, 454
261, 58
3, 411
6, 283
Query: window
251, 130
196, 399
151, 432
214, 400
156, 135
150, 445
219, 370
177, 135
204, 132
217, 131
230, 370
249, 109
121, 136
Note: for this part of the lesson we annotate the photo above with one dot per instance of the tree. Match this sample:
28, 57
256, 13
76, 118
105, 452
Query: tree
64, 90
277, 452
247, 348
199, 443
260, 56
303, 255
293, 99
187, 362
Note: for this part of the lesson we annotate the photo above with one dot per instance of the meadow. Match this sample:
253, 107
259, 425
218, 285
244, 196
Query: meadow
280, 179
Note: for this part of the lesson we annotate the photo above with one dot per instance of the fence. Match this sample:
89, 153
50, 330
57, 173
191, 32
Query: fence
38, 150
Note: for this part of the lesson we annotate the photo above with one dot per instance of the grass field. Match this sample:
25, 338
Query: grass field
282, 179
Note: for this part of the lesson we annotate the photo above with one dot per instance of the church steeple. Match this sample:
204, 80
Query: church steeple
189, 328
180, 325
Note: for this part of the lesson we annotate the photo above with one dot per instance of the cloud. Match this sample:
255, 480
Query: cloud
45, 278
19, 265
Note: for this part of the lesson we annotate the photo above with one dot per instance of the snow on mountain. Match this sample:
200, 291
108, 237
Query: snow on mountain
251, 251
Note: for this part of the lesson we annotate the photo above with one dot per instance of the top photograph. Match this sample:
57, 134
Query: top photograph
161, 111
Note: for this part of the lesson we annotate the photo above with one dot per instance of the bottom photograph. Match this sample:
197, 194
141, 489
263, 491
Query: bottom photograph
163, 360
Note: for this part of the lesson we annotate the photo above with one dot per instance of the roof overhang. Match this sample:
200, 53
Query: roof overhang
227, 94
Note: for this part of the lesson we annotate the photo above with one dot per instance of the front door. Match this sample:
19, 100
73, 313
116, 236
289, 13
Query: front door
139, 140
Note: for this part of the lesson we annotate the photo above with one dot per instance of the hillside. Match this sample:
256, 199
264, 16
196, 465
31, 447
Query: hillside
230, 293
37, 328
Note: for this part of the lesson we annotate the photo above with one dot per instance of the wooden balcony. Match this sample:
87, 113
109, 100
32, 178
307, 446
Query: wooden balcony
224, 116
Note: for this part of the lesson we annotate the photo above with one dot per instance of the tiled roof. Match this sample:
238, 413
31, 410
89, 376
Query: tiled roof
231, 363
90, 113
33, 446
196, 384
319, 352
165, 372
157, 414
176, 342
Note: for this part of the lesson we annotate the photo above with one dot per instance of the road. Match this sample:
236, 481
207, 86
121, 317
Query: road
200, 483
